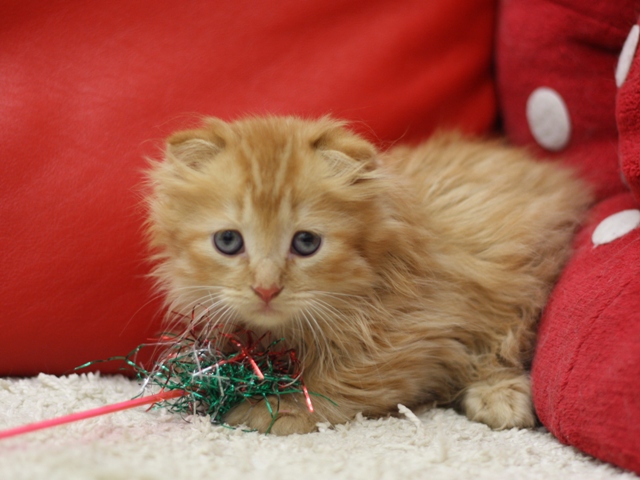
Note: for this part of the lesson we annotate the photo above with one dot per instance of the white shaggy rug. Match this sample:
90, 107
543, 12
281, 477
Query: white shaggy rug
140, 444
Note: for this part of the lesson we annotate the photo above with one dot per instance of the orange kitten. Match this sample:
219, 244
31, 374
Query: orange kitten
411, 276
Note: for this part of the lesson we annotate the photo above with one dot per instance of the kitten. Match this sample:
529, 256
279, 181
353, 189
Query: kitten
409, 276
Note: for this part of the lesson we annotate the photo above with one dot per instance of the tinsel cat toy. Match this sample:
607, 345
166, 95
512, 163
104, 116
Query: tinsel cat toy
203, 374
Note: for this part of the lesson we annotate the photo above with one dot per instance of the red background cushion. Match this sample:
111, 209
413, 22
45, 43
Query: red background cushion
91, 88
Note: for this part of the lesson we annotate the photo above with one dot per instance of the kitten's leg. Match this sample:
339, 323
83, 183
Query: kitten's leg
501, 401
281, 416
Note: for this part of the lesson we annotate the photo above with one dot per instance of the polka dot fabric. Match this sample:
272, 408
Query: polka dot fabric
569, 87
548, 119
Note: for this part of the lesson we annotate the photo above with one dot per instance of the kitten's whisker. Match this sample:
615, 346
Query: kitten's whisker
328, 306
357, 324
330, 332
335, 294
181, 310
180, 306
298, 339
318, 345
346, 298
225, 316
324, 348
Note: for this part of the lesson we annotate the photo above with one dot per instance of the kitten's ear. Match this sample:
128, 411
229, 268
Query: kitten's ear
346, 151
195, 147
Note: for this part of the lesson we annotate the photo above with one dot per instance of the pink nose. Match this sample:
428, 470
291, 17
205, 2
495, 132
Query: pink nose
267, 294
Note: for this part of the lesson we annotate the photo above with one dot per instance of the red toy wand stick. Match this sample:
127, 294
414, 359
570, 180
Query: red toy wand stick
74, 417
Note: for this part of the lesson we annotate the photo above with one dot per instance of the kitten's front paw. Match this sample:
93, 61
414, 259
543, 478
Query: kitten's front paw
287, 417
504, 403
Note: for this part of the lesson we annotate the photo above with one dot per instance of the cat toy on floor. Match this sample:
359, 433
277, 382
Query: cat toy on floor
205, 375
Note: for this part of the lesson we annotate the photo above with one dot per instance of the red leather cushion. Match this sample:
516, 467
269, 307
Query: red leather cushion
91, 88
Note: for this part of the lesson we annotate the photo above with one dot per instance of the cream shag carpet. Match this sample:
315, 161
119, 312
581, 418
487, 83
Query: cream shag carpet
139, 444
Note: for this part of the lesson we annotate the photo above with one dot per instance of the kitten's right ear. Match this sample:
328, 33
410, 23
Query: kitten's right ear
347, 153
193, 148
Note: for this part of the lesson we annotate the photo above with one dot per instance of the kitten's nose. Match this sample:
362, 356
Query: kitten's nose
267, 294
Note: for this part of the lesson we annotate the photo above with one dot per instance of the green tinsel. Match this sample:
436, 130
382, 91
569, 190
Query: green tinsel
218, 372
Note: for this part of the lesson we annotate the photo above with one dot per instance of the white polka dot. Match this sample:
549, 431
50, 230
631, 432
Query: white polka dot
626, 55
548, 119
616, 226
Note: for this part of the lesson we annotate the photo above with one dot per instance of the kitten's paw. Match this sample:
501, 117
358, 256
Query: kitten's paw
503, 403
287, 418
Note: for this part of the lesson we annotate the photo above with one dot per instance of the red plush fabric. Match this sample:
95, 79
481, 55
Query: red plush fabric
628, 116
90, 88
572, 47
587, 360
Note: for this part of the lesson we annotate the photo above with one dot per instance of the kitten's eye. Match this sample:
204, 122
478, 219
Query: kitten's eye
228, 242
305, 243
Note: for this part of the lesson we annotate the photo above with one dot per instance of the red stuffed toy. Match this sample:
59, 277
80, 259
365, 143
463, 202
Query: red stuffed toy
569, 87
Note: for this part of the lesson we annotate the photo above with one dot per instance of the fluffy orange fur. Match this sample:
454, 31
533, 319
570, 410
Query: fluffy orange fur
433, 266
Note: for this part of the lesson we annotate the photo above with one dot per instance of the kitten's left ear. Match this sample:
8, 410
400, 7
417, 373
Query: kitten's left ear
195, 147
346, 151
